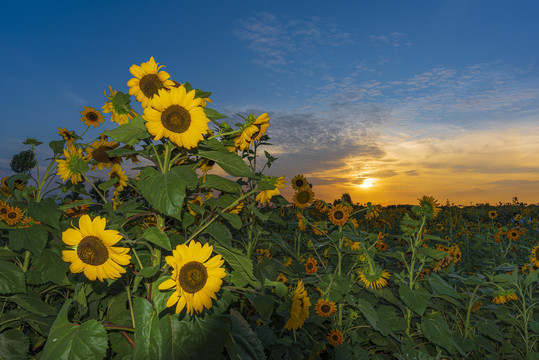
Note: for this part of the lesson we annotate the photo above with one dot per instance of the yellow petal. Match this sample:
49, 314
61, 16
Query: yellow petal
167, 284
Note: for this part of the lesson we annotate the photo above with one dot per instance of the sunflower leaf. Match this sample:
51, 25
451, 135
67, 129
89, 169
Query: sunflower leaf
130, 133
238, 261
213, 114
158, 238
220, 183
46, 211
33, 238
11, 278
416, 299
14, 345
245, 341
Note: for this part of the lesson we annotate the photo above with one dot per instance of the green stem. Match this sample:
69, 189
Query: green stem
96, 189
26, 260
41, 185
158, 158
130, 305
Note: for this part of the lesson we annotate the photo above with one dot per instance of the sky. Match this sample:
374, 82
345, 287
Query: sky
385, 100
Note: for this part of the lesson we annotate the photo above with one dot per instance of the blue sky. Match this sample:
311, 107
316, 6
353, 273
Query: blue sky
387, 100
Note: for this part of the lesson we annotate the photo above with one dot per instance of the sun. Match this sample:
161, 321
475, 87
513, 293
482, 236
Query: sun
367, 183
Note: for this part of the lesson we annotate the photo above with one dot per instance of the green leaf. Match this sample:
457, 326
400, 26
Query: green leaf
156, 237
233, 219
165, 192
11, 278
280, 288
46, 211
33, 238
106, 184
6, 254
440, 286
51, 266
57, 146
32, 303
213, 114
247, 344
531, 278
432, 253
416, 300
490, 329
76, 203
238, 261
73, 342
153, 335
437, 332
264, 305
130, 133
220, 233
220, 183
14, 345
368, 311
230, 162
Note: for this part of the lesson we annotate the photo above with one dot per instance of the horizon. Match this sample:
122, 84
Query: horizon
385, 101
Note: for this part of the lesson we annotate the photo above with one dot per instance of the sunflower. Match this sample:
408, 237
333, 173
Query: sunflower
380, 245
13, 216
354, 245
281, 278
68, 136
492, 214
335, 337
303, 198
91, 117
253, 130
120, 114
517, 217
299, 182
534, 256
98, 151
4, 208
73, 166
288, 262
321, 206
196, 278
265, 196
373, 211
310, 266
147, 81
177, 116
77, 211
206, 165
431, 204
117, 172
513, 234
325, 308
503, 296
338, 215
301, 222
299, 309
92, 250
374, 278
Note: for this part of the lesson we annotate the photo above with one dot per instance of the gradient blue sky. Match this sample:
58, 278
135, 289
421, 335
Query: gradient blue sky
387, 100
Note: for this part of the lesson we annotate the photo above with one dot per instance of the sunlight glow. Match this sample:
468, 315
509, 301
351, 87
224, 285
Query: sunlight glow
367, 183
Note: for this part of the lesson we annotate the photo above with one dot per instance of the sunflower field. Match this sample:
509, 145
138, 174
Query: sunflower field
162, 238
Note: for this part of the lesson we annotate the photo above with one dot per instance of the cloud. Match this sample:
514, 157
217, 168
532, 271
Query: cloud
394, 39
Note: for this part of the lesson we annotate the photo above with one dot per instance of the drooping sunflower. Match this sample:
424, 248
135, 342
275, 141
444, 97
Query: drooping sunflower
73, 166
120, 114
310, 266
93, 251
91, 117
303, 198
354, 245
147, 81
492, 214
299, 182
374, 278
13, 216
513, 234
265, 196
117, 172
253, 130
430, 203
534, 256
177, 115
68, 136
321, 206
195, 278
77, 211
335, 337
98, 151
503, 296
299, 309
325, 307
338, 215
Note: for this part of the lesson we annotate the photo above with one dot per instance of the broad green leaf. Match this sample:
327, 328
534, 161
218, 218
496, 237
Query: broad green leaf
107, 184
440, 286
76, 203
57, 146
264, 305
73, 342
233, 219
416, 299
247, 344
238, 261
51, 266
432, 253
130, 133
213, 114
11, 278
220, 183
490, 329
368, 311
230, 162
14, 345
33, 238
437, 332
156, 237
531, 278
153, 335
32, 303
220, 233
6, 254
46, 211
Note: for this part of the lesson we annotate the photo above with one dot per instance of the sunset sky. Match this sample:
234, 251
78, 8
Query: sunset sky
385, 100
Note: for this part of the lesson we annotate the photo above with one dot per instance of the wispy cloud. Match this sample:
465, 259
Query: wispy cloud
395, 39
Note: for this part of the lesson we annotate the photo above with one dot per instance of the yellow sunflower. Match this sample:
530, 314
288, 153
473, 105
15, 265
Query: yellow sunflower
325, 308
265, 196
299, 309
253, 131
321, 206
196, 278
513, 234
310, 266
13, 216
91, 117
147, 81
503, 296
73, 166
281, 278
338, 215
4, 208
68, 136
117, 172
303, 198
301, 222
335, 337
177, 116
534, 256
374, 278
431, 204
98, 151
92, 250
120, 118
492, 214
299, 182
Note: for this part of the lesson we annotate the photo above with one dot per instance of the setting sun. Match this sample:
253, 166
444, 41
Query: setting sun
367, 183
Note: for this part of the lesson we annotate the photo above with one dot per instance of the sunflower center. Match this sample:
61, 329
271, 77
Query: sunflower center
150, 85
176, 119
304, 197
193, 277
300, 183
92, 251
92, 116
100, 154
12, 215
325, 308
537, 254
3, 211
114, 175
335, 337
338, 215
310, 266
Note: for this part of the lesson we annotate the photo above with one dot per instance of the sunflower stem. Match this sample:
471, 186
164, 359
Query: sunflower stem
158, 157
130, 305
96, 189
26, 260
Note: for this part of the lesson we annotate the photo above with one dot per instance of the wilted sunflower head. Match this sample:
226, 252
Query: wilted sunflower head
429, 205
